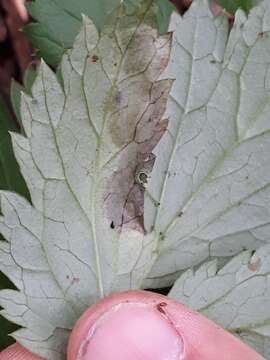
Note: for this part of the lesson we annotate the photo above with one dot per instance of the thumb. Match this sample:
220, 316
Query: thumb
17, 352
139, 325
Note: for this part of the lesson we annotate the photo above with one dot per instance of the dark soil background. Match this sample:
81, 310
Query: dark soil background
15, 51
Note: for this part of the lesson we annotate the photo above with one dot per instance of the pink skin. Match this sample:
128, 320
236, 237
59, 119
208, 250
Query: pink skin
140, 325
17, 352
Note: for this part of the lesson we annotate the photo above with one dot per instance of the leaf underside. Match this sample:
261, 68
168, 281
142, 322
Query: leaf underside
85, 143
235, 297
208, 195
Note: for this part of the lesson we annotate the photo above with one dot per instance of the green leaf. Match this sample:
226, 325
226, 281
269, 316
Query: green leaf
46, 47
235, 296
208, 194
164, 15
86, 138
233, 5
58, 22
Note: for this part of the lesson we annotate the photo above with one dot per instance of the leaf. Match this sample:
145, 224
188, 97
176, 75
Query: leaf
10, 179
233, 5
17, 88
85, 146
164, 15
5, 326
45, 43
15, 97
208, 194
58, 22
29, 77
235, 296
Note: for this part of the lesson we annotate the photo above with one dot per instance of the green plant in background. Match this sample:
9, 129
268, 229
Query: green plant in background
232, 5
58, 21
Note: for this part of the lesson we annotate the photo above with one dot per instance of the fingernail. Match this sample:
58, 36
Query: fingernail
132, 331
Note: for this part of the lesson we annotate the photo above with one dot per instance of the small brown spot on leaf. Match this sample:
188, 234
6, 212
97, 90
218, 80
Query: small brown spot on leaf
94, 58
118, 98
180, 214
255, 265
75, 280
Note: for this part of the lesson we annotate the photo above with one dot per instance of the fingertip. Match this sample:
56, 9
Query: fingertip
124, 325
17, 352
130, 325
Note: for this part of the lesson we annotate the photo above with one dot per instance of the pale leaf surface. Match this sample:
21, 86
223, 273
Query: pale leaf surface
85, 144
209, 192
235, 296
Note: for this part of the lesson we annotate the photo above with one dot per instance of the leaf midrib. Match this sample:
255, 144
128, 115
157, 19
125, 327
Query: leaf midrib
98, 166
